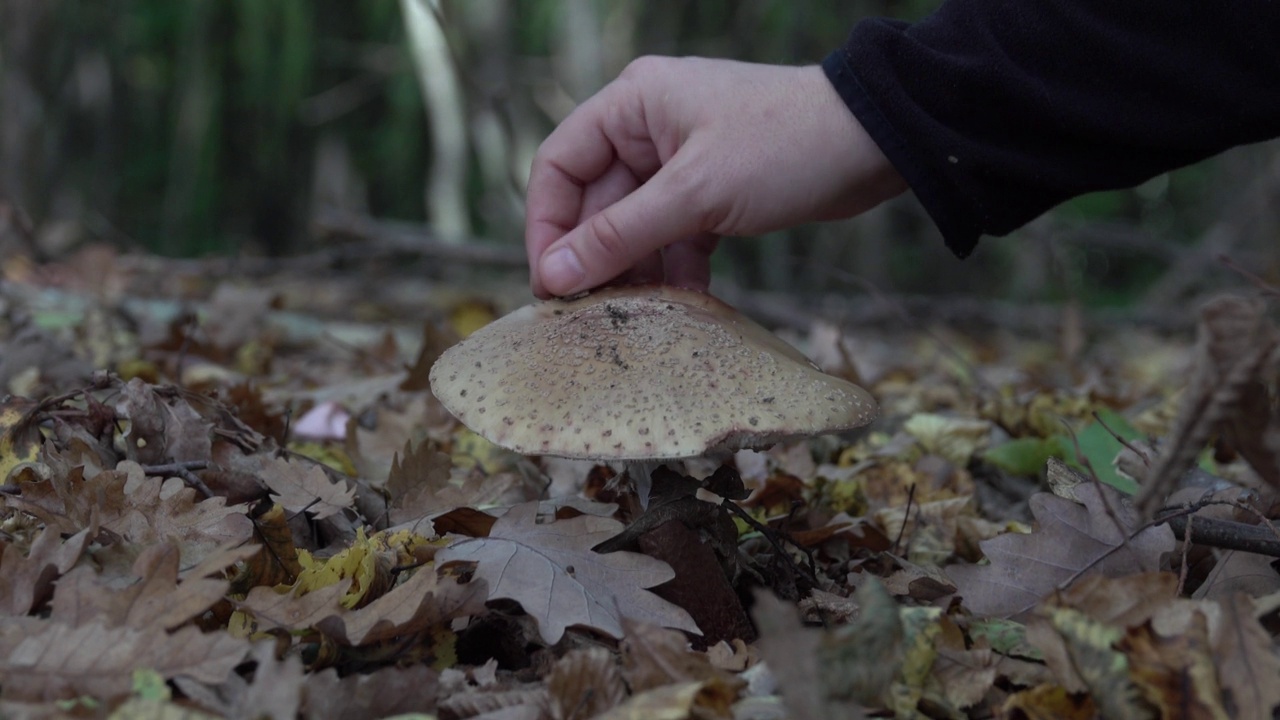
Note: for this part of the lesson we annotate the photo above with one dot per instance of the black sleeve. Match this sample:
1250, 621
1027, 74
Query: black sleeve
996, 110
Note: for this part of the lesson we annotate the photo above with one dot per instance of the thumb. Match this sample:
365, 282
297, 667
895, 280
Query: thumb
613, 240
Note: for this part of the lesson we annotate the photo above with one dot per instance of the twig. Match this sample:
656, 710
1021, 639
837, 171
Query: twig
1225, 534
1097, 483
1186, 552
1265, 287
911, 496
1145, 460
184, 471
810, 573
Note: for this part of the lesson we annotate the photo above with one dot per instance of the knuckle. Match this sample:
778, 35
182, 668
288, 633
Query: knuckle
647, 68
610, 242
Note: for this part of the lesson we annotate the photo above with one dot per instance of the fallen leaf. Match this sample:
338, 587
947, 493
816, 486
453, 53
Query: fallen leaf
1248, 666
387, 692
302, 486
153, 598
62, 661
956, 439
26, 582
1071, 538
276, 690
1090, 651
294, 610
162, 427
585, 683
421, 486
1239, 572
550, 569
148, 510
1176, 674
654, 656
424, 600
792, 654
711, 699
20, 437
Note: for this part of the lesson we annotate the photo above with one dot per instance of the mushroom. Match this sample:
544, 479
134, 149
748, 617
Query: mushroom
639, 375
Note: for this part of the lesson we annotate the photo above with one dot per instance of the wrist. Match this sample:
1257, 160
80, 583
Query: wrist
861, 170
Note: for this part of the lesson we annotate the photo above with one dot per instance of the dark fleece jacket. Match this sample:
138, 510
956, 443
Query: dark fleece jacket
996, 110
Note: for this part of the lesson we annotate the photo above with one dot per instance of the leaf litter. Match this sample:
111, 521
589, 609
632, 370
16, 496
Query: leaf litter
1022, 533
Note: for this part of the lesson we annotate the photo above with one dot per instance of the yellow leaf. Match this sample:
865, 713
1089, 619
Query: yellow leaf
471, 450
954, 438
20, 436
358, 562
469, 316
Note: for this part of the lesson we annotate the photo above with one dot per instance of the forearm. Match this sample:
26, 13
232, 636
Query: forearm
994, 112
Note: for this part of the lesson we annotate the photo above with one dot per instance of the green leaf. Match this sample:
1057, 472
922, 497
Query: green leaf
1100, 447
1026, 456
1005, 637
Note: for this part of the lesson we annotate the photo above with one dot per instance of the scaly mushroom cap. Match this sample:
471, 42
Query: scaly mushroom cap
639, 373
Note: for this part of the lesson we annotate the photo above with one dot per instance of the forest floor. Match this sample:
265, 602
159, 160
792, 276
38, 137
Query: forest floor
232, 494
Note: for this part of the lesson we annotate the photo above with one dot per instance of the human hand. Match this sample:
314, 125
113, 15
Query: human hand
640, 181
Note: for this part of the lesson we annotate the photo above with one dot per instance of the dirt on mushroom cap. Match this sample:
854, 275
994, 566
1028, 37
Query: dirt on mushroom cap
639, 373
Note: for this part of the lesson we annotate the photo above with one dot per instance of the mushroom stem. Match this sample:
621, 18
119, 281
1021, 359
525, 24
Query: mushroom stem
640, 474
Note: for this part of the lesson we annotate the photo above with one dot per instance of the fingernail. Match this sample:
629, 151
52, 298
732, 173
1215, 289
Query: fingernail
562, 271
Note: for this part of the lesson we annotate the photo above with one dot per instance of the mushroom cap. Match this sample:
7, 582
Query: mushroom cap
639, 373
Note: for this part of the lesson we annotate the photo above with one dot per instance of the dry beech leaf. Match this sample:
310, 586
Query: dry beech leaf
584, 683
1175, 674
424, 600
654, 656
299, 485
293, 611
1070, 537
27, 581
792, 652
155, 598
276, 690
550, 569
61, 661
1247, 664
521, 703
163, 427
710, 699
1237, 572
383, 693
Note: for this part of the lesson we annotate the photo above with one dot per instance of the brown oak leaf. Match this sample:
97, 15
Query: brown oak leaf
423, 600
155, 598
58, 661
25, 582
383, 693
298, 486
1071, 538
551, 570
149, 510
162, 427
420, 485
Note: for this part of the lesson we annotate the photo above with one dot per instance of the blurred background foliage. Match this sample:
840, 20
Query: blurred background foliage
199, 127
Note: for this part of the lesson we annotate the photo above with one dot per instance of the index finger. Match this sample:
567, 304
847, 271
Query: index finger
607, 127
